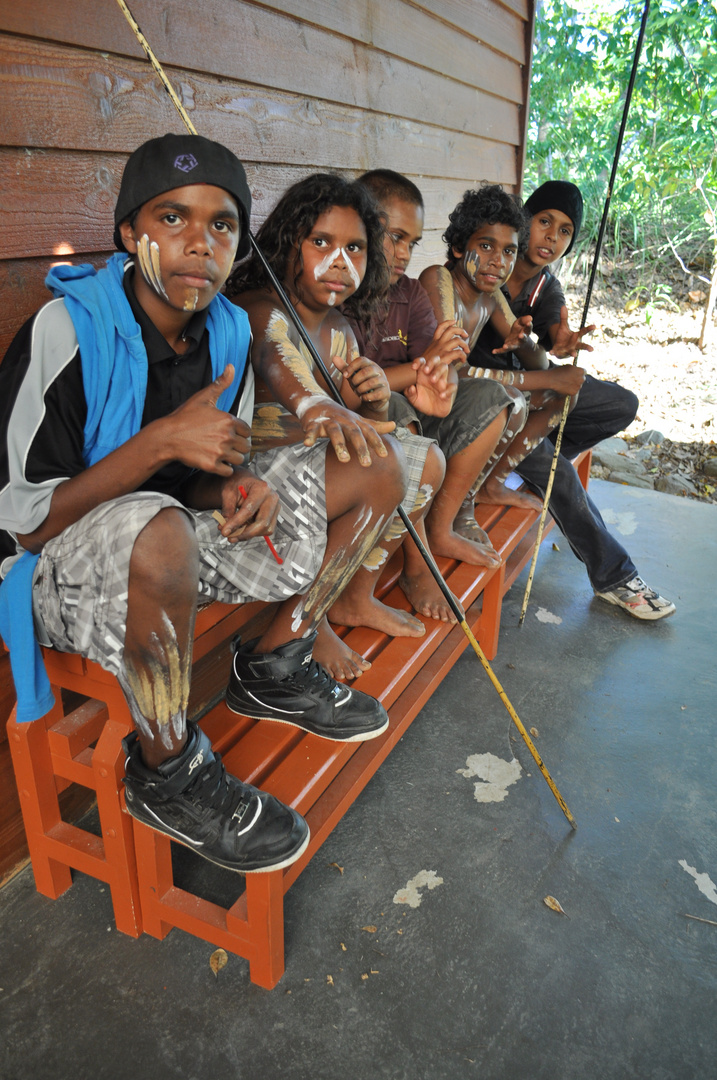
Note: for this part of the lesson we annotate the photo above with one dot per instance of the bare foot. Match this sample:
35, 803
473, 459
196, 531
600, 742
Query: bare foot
493, 492
451, 545
368, 611
424, 595
465, 524
340, 661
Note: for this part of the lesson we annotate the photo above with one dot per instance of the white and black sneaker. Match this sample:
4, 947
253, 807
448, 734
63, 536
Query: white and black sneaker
194, 800
289, 686
639, 600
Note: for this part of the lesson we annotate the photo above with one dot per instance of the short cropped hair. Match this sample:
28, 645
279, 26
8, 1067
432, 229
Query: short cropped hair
487, 205
291, 221
385, 184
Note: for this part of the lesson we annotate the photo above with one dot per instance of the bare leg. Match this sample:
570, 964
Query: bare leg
359, 502
357, 605
161, 607
461, 472
546, 410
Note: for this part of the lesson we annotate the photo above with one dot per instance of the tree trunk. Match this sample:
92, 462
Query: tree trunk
708, 326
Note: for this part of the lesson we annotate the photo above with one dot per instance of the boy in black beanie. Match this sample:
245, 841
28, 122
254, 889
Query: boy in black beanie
124, 405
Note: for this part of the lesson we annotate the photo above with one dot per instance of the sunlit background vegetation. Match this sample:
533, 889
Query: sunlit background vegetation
662, 235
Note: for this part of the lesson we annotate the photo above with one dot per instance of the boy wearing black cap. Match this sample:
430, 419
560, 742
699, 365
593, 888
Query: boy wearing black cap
602, 409
122, 407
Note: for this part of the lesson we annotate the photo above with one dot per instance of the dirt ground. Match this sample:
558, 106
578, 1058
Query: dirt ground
654, 352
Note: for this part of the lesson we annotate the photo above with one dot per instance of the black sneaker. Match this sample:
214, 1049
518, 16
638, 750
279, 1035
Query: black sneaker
289, 686
194, 800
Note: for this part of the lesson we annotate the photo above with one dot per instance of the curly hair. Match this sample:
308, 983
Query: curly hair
488, 205
289, 224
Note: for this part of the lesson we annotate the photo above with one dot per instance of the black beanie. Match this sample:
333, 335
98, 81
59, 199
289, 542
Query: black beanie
177, 160
559, 195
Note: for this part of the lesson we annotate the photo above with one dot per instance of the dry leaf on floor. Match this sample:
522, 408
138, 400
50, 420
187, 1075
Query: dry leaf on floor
534, 732
555, 547
330, 980
343, 947
555, 905
364, 976
369, 929
218, 960
337, 867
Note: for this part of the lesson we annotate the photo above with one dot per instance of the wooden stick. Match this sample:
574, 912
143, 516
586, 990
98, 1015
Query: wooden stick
408, 524
710, 922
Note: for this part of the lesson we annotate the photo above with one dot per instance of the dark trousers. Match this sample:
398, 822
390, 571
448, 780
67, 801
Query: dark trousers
602, 409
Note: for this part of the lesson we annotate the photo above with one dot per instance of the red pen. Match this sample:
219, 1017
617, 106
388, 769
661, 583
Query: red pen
272, 549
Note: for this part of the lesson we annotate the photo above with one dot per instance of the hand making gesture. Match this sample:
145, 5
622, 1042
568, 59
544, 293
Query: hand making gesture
569, 342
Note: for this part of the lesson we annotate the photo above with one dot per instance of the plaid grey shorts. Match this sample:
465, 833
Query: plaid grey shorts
415, 447
81, 581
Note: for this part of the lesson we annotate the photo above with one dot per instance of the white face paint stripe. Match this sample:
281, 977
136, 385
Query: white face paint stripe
351, 269
327, 262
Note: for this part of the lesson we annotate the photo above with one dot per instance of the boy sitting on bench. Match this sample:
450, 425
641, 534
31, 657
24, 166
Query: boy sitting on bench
324, 240
124, 406
482, 241
603, 408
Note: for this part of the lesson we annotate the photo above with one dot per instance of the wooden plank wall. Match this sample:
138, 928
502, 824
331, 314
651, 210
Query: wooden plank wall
436, 89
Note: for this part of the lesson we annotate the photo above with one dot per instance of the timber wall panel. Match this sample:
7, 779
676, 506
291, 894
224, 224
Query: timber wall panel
242, 40
432, 88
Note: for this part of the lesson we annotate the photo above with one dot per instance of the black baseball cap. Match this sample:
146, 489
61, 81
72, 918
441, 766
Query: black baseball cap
177, 160
559, 195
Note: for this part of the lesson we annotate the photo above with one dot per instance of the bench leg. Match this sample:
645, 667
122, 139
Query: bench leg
488, 627
265, 918
117, 834
154, 868
37, 787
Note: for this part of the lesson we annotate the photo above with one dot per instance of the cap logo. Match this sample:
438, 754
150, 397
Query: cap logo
185, 162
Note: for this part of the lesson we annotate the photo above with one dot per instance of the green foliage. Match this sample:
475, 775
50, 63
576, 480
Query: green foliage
666, 184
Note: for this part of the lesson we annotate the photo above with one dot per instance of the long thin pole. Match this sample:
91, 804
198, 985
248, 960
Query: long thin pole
425, 553
588, 296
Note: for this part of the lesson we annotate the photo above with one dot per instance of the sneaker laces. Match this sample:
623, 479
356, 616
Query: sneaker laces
214, 788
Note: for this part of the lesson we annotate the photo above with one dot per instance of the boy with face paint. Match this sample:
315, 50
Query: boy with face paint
124, 404
483, 240
603, 408
324, 242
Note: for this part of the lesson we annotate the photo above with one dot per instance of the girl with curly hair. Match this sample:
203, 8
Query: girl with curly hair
486, 230
324, 241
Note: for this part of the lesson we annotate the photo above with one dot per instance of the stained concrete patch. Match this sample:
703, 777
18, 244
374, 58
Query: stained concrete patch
704, 882
496, 775
545, 616
424, 879
624, 522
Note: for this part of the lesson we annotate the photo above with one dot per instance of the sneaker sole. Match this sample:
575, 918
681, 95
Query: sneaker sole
652, 617
166, 830
363, 736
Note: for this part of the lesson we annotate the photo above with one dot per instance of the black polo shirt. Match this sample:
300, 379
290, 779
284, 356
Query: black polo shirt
52, 427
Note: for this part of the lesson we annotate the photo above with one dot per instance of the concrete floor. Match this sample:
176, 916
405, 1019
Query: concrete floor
478, 978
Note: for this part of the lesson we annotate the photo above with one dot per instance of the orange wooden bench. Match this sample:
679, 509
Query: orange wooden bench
81, 743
